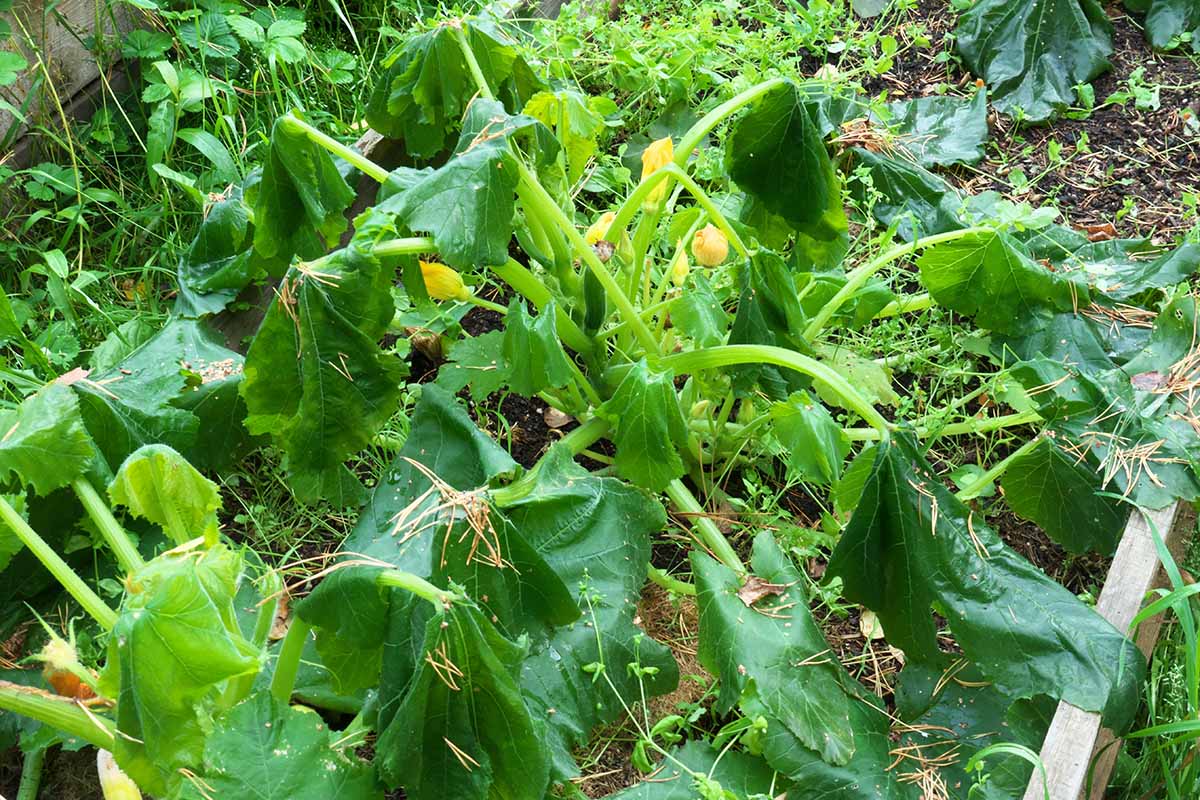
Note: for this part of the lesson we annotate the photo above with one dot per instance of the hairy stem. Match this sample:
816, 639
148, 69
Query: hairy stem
657, 576
732, 354
31, 773
344, 152
980, 484
706, 530
59, 713
62, 572
857, 277
114, 535
422, 588
408, 246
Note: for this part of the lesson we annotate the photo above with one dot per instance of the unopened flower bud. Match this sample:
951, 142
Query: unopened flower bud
443, 283
680, 268
600, 228
709, 246
656, 156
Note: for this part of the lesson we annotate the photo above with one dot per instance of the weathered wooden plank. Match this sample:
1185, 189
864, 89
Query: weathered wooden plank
1076, 744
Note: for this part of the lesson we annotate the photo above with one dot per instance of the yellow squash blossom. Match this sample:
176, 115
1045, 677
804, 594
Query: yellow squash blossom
443, 283
655, 157
680, 268
709, 246
600, 228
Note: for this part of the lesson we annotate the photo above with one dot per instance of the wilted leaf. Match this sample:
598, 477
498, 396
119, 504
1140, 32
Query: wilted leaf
158, 484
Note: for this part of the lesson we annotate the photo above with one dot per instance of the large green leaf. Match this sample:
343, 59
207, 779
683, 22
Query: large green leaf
939, 131
776, 153
988, 276
44, 443
595, 533
1060, 494
700, 770
316, 379
176, 640
577, 119
467, 204
698, 312
1168, 20
1122, 268
427, 84
1032, 53
533, 355
477, 363
768, 312
912, 546
648, 427
462, 729
266, 750
220, 261
917, 201
302, 193
158, 484
758, 636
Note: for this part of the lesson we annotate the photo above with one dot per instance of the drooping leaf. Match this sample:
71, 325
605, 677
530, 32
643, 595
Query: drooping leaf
776, 153
316, 379
533, 355
44, 442
462, 729
121, 343
900, 558
301, 195
813, 443
768, 312
595, 534
158, 484
427, 84
987, 275
923, 203
771, 658
467, 204
577, 119
1053, 489
264, 749
1032, 53
740, 774
175, 641
1122, 268
648, 427
1168, 20
939, 131
220, 261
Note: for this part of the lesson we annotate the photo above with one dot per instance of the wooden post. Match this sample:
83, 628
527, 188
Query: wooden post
1076, 745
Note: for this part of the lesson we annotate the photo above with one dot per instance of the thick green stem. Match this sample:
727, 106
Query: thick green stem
695, 134
31, 773
980, 484
526, 284
664, 580
345, 152
577, 441
488, 304
59, 713
537, 196
706, 530
118, 540
730, 355
473, 63
408, 246
985, 425
398, 579
62, 572
287, 665
856, 278
906, 305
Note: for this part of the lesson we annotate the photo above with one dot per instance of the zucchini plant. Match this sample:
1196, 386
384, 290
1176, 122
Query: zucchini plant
480, 621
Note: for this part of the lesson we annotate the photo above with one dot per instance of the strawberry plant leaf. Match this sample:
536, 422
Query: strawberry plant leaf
988, 276
176, 640
533, 355
270, 751
467, 204
1053, 489
301, 192
316, 379
594, 532
776, 153
648, 427
159, 485
740, 774
812, 442
45, 444
770, 656
900, 558
462, 729
1032, 53
427, 85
